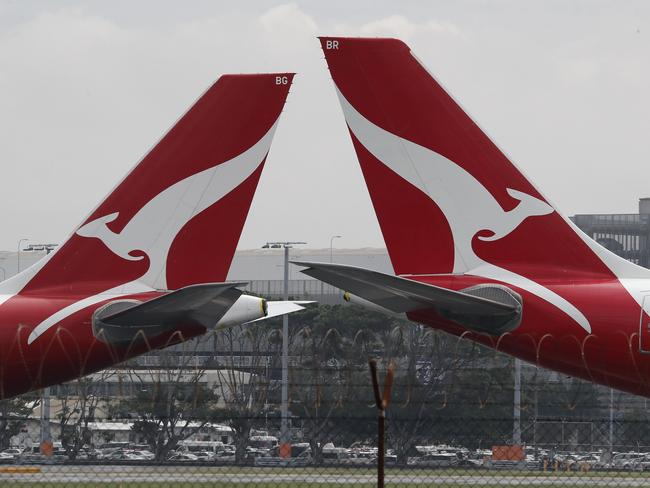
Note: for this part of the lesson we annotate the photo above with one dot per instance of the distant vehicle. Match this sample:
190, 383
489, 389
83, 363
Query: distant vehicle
183, 457
641, 464
126, 455
12, 451
336, 455
5, 457
263, 441
227, 449
224, 457
143, 453
437, 460
254, 453
627, 460
298, 448
32, 454
105, 450
200, 446
362, 458
204, 455
88, 453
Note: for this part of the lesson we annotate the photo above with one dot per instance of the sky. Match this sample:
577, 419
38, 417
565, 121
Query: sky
86, 88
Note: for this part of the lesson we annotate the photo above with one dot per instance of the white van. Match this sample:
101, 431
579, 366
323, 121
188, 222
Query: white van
213, 447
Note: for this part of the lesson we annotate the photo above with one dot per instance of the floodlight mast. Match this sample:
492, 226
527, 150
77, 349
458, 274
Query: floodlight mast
18, 256
332, 245
285, 433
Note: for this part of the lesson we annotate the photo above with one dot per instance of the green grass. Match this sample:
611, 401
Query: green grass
227, 477
409, 471
226, 484
188, 484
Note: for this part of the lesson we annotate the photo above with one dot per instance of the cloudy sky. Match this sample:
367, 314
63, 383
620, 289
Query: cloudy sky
87, 87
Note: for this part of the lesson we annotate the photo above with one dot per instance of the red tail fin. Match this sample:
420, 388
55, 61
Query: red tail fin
448, 200
176, 218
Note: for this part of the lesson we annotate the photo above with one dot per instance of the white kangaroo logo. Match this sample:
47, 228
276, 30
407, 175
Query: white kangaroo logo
154, 227
467, 205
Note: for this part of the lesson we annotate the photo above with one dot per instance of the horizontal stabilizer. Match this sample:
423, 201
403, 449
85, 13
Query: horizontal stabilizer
495, 315
201, 305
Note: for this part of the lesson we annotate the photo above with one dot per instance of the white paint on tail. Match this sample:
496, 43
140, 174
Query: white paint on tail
154, 227
467, 205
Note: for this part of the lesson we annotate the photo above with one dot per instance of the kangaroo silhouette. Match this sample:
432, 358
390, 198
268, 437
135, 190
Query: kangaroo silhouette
468, 206
153, 228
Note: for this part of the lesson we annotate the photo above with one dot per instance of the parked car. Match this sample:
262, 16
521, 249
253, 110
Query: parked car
183, 457
124, 455
224, 457
335, 455
13, 452
437, 460
6, 457
204, 455
627, 460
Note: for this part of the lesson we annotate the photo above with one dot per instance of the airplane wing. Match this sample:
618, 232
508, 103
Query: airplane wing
202, 304
495, 315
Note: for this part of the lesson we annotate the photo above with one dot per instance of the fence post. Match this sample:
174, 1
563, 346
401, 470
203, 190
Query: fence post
382, 405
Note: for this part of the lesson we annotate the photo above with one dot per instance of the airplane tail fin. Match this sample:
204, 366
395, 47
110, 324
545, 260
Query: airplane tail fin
176, 218
447, 199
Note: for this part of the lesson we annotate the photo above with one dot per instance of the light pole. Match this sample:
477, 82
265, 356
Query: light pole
322, 283
611, 421
516, 427
331, 242
18, 261
285, 434
46, 435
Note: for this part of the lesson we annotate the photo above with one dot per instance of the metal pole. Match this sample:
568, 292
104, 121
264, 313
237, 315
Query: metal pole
285, 439
18, 259
516, 427
535, 424
382, 402
285, 433
331, 245
611, 420
46, 436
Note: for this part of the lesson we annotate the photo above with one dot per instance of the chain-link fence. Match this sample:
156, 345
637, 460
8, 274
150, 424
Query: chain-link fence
209, 412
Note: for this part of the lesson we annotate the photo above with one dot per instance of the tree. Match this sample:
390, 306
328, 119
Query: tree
244, 392
171, 402
319, 386
78, 407
13, 413
425, 360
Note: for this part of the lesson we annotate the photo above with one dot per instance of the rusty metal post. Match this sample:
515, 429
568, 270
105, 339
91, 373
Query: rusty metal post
382, 405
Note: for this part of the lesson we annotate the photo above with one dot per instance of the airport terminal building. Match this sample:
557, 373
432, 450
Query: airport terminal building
627, 235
